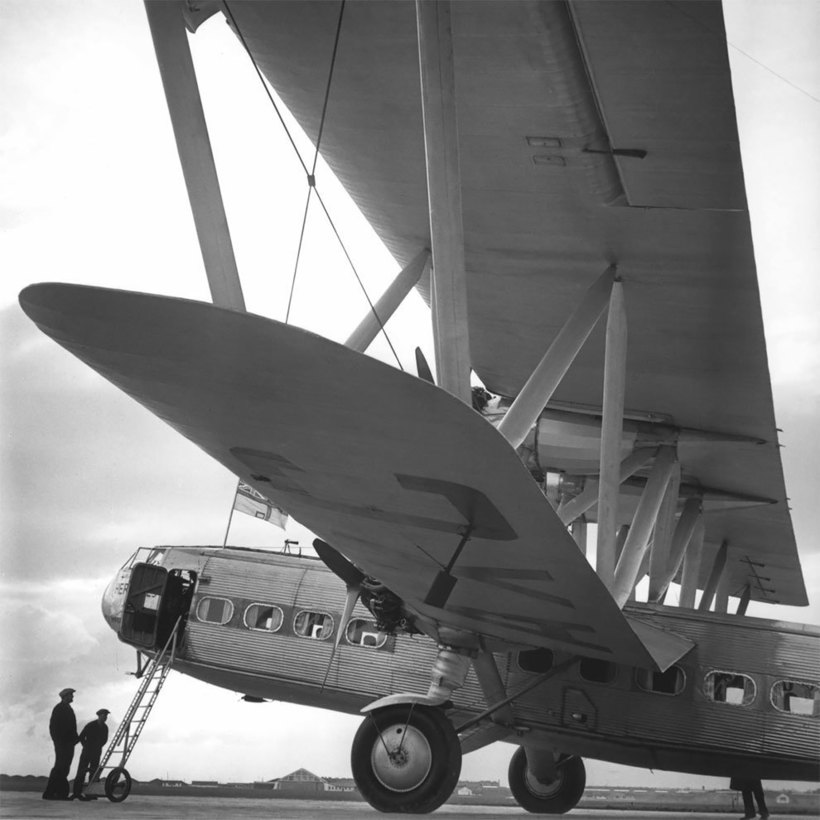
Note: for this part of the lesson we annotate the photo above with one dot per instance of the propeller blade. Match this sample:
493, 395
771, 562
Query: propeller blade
350, 602
338, 564
422, 368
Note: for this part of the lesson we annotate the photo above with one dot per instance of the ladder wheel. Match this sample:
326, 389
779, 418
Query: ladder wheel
118, 785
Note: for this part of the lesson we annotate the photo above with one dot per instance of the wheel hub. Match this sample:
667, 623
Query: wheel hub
542, 790
401, 758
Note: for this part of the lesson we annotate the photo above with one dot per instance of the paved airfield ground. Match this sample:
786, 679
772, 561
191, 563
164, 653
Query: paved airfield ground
30, 804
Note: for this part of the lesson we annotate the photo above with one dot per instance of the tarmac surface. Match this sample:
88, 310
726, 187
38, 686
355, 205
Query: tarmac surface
144, 807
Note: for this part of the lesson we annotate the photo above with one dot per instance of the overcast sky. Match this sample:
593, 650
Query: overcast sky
91, 192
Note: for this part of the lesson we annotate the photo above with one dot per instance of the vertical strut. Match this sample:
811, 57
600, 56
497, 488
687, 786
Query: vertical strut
745, 597
579, 533
646, 515
449, 286
691, 566
680, 541
194, 148
611, 432
662, 538
714, 577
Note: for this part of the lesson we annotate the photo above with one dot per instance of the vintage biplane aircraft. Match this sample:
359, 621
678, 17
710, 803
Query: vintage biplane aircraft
550, 175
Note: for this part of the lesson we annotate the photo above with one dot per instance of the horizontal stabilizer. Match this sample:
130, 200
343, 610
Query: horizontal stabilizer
665, 647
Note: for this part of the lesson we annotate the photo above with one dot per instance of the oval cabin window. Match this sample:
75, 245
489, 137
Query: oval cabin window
263, 617
360, 632
796, 698
536, 660
315, 625
214, 610
670, 682
597, 671
729, 687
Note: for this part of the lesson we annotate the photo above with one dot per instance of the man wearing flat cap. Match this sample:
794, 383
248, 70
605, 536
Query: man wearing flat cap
93, 738
63, 730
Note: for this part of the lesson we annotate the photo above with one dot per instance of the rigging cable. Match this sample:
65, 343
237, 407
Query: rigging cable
311, 175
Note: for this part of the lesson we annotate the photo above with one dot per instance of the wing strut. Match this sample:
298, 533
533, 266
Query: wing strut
176, 68
681, 539
691, 566
546, 377
449, 286
644, 520
718, 566
612, 423
660, 552
587, 498
395, 294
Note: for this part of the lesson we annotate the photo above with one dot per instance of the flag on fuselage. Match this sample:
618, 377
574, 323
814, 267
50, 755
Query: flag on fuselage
251, 502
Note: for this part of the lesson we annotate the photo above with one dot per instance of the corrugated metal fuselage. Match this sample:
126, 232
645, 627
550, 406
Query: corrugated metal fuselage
617, 720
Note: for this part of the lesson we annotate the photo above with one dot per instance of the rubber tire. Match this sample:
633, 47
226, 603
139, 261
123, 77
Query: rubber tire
116, 789
557, 799
445, 763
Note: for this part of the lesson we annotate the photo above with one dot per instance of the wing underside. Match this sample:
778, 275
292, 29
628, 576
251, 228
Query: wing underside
589, 133
393, 471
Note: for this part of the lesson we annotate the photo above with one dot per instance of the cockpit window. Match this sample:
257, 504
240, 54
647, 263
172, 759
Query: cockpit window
214, 610
670, 682
796, 698
264, 617
360, 632
315, 625
729, 687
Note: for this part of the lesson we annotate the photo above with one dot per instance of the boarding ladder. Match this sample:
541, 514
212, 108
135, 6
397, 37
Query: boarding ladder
118, 781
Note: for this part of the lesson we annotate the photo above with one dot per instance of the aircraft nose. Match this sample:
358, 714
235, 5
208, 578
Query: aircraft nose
113, 600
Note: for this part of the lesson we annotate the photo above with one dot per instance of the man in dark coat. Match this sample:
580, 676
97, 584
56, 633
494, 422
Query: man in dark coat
751, 789
93, 738
63, 730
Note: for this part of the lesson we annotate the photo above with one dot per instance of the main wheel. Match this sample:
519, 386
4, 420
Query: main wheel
406, 758
118, 785
557, 796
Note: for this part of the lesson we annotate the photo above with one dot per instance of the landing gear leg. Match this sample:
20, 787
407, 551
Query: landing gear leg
406, 758
555, 795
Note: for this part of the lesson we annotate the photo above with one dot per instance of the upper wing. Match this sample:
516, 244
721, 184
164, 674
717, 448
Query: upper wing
589, 133
391, 470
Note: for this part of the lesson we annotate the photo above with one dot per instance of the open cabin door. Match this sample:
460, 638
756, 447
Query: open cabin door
155, 600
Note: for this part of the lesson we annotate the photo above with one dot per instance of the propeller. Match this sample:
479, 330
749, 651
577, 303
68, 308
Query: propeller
352, 577
422, 368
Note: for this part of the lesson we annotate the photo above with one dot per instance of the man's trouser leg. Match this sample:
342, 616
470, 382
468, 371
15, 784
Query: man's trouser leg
57, 787
748, 803
82, 768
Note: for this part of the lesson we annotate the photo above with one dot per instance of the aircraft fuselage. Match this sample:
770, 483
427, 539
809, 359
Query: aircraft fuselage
745, 699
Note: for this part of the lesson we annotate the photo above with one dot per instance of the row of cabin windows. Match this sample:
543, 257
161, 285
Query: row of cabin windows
262, 617
734, 688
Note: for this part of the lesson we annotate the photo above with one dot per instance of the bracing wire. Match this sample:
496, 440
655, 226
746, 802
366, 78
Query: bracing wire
358, 278
311, 174
241, 36
327, 87
739, 50
298, 252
